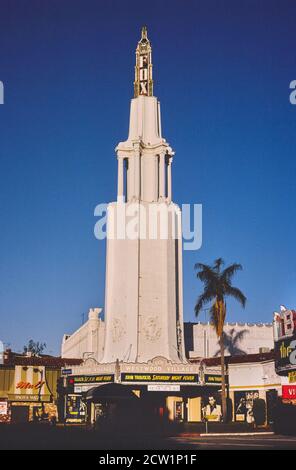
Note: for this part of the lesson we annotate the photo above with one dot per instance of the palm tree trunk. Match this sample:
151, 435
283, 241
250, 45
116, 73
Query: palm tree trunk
223, 382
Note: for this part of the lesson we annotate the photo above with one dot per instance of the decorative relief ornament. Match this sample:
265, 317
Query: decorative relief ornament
152, 329
117, 330
160, 361
90, 362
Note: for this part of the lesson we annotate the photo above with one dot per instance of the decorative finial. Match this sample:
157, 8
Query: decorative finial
144, 32
143, 84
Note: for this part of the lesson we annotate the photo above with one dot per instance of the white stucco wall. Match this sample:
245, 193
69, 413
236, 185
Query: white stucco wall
254, 376
88, 340
205, 344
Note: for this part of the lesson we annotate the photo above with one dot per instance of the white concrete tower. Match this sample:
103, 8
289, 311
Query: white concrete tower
144, 292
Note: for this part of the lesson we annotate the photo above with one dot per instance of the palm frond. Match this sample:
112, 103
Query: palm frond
217, 353
236, 294
229, 272
239, 352
218, 286
232, 352
231, 341
205, 273
218, 263
206, 297
240, 335
202, 266
227, 340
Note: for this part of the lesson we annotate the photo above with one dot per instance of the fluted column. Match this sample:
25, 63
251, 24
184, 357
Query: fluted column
169, 170
120, 183
137, 175
161, 176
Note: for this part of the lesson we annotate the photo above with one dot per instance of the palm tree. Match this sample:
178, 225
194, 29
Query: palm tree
231, 342
217, 286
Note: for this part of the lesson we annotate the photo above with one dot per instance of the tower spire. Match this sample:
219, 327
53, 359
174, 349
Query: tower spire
143, 84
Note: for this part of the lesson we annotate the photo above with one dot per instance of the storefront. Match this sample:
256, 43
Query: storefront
28, 388
284, 329
252, 387
77, 386
285, 352
27, 393
171, 396
187, 393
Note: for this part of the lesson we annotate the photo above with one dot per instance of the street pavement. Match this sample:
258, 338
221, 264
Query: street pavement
71, 438
256, 442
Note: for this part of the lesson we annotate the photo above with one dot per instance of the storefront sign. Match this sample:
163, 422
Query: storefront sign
29, 386
243, 405
214, 379
66, 371
87, 379
171, 378
28, 383
284, 323
292, 377
75, 409
289, 392
163, 388
29, 397
211, 408
285, 355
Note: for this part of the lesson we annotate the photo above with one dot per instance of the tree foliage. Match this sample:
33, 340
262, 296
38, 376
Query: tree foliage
35, 348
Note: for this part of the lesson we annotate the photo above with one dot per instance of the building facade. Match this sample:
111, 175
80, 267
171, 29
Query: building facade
29, 387
251, 379
139, 349
144, 293
88, 340
284, 327
241, 338
200, 339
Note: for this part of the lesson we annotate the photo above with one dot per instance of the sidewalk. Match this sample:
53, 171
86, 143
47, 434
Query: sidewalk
229, 429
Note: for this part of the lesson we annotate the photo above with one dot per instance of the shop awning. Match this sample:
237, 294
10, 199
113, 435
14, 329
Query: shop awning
110, 392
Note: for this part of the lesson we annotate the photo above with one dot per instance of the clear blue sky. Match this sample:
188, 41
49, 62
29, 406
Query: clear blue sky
222, 71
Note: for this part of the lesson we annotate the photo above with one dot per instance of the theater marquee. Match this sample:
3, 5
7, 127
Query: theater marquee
91, 379
160, 378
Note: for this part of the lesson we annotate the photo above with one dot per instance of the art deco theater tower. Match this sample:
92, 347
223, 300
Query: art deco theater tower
144, 293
